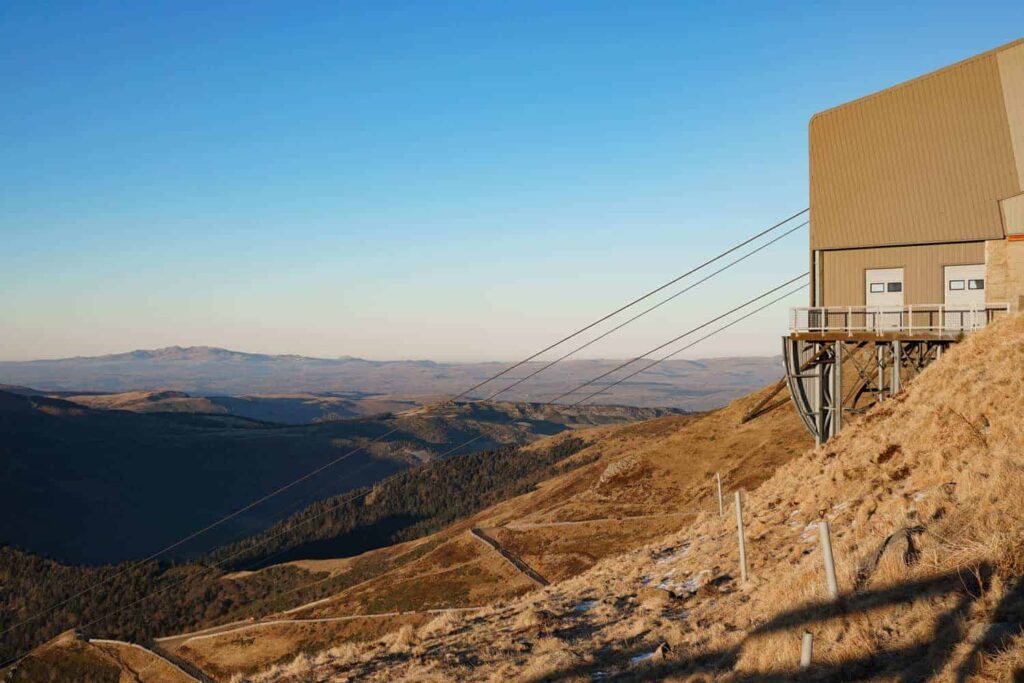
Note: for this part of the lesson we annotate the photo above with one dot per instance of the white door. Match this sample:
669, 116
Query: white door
883, 289
965, 296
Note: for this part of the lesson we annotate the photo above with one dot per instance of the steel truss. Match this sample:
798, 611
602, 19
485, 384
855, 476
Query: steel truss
834, 380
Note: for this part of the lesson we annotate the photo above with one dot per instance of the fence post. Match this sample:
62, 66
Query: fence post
739, 532
718, 488
830, 564
805, 650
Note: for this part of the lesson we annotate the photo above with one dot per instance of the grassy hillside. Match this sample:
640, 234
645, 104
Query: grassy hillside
85, 485
407, 505
628, 486
279, 408
923, 498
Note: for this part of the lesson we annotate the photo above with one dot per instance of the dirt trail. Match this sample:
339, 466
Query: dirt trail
177, 641
516, 526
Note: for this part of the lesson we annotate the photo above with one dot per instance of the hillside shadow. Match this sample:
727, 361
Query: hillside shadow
379, 534
1005, 623
912, 663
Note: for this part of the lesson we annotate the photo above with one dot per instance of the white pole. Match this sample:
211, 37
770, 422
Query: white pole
806, 648
739, 531
830, 563
718, 486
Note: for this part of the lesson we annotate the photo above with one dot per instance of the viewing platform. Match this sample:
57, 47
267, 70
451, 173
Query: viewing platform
891, 323
841, 360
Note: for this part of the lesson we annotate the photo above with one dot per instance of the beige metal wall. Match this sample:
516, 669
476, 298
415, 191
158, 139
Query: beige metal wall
844, 271
1011, 73
923, 162
1013, 215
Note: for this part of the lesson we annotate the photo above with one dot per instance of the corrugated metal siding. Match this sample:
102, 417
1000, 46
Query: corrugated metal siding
1013, 215
924, 162
1011, 73
843, 277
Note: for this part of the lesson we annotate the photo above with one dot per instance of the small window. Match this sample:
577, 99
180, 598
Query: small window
895, 286
975, 284
956, 285
877, 287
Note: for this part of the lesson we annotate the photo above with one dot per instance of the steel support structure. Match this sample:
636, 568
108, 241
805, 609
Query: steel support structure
832, 380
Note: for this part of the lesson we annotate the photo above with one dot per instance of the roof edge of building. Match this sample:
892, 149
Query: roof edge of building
931, 74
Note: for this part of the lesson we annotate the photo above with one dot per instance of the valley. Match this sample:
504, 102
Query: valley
89, 485
616, 563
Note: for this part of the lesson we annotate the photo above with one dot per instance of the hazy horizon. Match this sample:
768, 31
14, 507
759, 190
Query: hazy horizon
582, 357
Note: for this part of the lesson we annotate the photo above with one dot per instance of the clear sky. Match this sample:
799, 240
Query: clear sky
444, 180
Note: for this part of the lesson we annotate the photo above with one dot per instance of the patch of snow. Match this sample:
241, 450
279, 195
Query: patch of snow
584, 605
693, 584
672, 554
636, 659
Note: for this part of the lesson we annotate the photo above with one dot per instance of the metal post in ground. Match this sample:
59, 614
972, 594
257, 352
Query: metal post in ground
742, 539
830, 564
718, 489
806, 648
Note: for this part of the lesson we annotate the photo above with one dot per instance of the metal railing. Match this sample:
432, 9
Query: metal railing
922, 318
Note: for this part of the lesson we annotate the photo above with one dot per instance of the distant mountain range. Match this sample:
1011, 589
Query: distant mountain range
209, 371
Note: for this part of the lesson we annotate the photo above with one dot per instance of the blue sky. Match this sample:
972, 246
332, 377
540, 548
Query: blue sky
455, 181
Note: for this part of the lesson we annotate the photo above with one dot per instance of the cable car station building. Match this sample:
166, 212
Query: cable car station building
916, 232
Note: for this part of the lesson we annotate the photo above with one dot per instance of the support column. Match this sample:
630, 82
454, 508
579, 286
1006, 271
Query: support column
880, 362
819, 404
897, 352
837, 388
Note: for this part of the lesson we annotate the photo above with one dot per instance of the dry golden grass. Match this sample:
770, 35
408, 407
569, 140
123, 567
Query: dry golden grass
646, 469
140, 665
249, 651
938, 472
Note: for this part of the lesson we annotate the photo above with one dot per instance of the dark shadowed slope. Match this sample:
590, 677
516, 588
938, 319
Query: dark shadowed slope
88, 485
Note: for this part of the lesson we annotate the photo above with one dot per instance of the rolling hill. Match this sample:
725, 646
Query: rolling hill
93, 486
295, 408
692, 385
617, 563
622, 567
140, 600
630, 485
613, 490
923, 499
